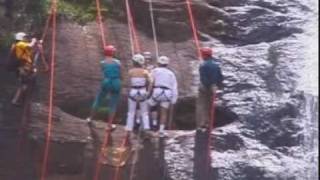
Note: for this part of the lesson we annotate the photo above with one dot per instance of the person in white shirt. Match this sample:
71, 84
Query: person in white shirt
165, 91
140, 84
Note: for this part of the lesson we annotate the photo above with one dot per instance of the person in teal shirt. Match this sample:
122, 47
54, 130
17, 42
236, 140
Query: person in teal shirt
110, 85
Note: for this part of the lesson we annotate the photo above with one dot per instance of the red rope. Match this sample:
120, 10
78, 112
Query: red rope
51, 90
133, 28
100, 23
193, 26
111, 119
136, 48
124, 142
26, 107
212, 112
45, 31
104, 144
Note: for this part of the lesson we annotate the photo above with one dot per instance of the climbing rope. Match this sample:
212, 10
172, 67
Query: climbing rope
100, 23
111, 118
132, 28
51, 90
46, 27
28, 96
154, 32
193, 27
104, 144
123, 144
212, 111
135, 47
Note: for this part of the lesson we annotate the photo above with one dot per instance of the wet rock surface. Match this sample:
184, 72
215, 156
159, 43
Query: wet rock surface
233, 156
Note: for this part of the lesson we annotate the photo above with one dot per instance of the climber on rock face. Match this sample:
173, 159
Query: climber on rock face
165, 92
22, 61
140, 85
210, 80
110, 85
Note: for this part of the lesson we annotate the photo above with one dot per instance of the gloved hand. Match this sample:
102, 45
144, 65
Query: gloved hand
33, 40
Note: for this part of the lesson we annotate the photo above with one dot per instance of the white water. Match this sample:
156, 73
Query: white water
309, 74
308, 83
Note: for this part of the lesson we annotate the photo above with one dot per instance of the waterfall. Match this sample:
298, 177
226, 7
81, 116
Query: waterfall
311, 135
309, 85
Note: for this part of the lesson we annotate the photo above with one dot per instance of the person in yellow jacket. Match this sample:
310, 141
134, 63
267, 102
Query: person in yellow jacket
23, 51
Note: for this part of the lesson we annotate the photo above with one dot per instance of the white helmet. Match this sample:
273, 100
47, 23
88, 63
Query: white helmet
163, 60
20, 36
138, 58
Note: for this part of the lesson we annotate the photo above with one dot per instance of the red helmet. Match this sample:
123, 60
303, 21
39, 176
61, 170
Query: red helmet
206, 52
109, 50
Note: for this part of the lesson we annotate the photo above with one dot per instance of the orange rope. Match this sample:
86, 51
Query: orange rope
111, 119
124, 142
104, 144
51, 94
100, 23
132, 28
212, 112
193, 26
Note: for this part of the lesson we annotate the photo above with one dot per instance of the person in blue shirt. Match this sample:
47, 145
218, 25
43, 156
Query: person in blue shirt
210, 80
110, 85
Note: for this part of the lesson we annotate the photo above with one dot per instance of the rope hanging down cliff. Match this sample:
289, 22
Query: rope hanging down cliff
212, 112
111, 118
51, 89
135, 48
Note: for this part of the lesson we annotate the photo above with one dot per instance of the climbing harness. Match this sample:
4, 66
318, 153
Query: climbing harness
140, 95
163, 95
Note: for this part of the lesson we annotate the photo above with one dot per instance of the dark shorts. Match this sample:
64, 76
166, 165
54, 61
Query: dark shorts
26, 77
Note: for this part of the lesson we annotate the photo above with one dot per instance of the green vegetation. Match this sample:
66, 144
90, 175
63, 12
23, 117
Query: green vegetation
30, 16
81, 11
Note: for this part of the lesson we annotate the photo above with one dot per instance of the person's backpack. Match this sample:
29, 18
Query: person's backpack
13, 61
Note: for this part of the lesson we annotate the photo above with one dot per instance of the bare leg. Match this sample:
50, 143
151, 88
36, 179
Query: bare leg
154, 116
163, 115
163, 120
17, 96
20, 92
